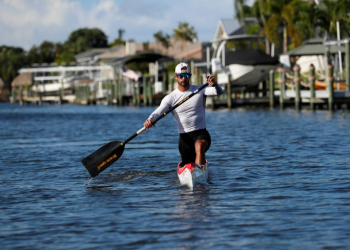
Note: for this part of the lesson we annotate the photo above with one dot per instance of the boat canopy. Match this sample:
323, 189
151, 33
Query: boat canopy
249, 57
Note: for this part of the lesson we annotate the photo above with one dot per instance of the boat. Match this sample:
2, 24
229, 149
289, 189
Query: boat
337, 85
245, 65
191, 173
51, 85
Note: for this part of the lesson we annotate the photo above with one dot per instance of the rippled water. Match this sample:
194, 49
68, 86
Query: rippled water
278, 180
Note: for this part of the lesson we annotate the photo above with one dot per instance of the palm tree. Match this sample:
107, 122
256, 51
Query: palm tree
344, 7
331, 11
120, 34
185, 32
306, 19
239, 10
281, 14
259, 15
162, 39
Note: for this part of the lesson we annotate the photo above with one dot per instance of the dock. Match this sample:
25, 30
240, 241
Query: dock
274, 92
282, 88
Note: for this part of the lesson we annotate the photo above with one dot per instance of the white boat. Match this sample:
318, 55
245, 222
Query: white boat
246, 67
191, 173
51, 87
53, 84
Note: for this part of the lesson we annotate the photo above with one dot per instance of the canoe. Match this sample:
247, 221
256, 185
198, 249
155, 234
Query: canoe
191, 173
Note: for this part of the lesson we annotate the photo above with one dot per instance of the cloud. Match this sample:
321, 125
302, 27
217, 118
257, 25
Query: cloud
26, 23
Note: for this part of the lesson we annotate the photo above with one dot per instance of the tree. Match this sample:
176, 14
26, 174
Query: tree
47, 52
261, 17
331, 11
344, 17
185, 32
85, 39
120, 34
119, 40
306, 19
11, 60
281, 14
163, 39
33, 55
66, 56
242, 10
145, 46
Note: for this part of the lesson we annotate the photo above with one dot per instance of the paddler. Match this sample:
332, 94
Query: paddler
194, 139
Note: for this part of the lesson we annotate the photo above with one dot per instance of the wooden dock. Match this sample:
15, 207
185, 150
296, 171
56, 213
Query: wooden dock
283, 89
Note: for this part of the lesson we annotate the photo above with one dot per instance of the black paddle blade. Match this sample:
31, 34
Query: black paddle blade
103, 157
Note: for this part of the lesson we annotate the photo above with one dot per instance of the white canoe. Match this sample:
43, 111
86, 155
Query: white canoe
190, 174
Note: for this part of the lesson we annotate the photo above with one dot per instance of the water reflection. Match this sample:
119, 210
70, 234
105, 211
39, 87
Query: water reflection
193, 203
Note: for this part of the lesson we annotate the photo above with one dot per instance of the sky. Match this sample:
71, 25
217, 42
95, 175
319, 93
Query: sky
24, 23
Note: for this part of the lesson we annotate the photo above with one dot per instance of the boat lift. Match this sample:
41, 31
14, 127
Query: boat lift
61, 74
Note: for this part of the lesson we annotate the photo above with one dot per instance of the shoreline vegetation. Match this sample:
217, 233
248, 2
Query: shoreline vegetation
285, 24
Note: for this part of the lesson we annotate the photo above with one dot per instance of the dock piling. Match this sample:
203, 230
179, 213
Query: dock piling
297, 100
281, 81
229, 97
272, 89
312, 86
150, 92
330, 87
21, 95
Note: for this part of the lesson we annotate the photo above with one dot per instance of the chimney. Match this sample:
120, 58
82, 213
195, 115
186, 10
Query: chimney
130, 47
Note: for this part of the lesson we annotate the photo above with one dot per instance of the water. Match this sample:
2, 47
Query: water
278, 180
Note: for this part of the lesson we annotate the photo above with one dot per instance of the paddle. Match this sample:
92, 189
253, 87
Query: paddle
109, 153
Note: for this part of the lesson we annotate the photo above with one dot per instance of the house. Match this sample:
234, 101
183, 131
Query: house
232, 27
178, 49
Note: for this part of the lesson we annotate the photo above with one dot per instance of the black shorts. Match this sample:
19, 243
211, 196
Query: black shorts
187, 142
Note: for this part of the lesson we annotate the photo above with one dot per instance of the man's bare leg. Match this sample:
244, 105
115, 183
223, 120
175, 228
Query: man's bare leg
200, 147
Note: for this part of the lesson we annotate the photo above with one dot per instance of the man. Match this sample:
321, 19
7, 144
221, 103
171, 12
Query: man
194, 139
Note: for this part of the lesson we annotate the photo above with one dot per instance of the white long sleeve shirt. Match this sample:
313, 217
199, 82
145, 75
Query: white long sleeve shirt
190, 115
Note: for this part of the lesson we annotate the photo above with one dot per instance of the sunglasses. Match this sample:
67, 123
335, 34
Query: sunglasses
184, 75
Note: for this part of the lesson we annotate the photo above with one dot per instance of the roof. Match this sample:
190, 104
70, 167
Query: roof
91, 53
243, 37
114, 52
23, 79
314, 46
178, 49
140, 57
196, 53
232, 27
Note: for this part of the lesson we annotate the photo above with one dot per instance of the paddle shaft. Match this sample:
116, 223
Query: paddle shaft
167, 112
